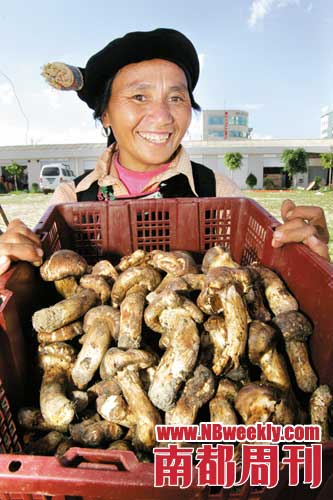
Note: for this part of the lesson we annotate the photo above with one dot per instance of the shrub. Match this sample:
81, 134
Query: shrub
251, 180
34, 187
317, 180
268, 183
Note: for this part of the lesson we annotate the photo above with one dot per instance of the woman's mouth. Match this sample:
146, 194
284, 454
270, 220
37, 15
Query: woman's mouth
155, 138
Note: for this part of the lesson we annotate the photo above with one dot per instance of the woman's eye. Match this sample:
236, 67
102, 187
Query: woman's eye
139, 97
176, 98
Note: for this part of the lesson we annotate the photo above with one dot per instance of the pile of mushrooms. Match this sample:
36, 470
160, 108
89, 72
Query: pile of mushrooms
157, 339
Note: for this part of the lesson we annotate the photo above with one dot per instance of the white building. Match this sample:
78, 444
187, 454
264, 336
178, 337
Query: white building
326, 124
260, 157
225, 124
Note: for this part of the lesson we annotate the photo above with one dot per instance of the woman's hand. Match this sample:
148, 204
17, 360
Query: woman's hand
303, 224
19, 243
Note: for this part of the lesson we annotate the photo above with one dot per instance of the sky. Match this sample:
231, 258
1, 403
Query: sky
272, 58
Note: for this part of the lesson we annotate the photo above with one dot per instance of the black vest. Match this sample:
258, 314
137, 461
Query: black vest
177, 186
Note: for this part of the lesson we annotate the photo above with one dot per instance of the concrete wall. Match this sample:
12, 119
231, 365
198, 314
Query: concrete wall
257, 154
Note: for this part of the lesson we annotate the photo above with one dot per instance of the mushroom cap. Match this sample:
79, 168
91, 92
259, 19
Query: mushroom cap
133, 359
262, 337
63, 263
105, 269
58, 354
136, 258
141, 275
177, 262
321, 396
256, 402
98, 284
106, 313
293, 325
227, 389
217, 257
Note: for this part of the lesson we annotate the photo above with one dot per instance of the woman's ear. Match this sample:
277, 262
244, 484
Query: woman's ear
105, 119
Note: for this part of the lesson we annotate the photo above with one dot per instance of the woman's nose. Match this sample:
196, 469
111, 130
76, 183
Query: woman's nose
160, 112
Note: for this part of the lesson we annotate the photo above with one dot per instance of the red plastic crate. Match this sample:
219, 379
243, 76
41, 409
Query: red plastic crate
114, 229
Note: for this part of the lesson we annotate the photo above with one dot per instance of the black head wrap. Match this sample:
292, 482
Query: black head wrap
91, 82
162, 43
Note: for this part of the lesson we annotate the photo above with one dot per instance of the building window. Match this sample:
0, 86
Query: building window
216, 133
237, 133
238, 120
216, 120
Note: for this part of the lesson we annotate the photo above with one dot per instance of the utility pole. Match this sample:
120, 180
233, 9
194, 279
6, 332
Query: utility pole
19, 104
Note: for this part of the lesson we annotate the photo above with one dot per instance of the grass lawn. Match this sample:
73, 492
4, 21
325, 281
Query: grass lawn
272, 200
30, 207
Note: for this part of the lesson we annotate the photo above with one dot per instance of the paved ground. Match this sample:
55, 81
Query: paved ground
27, 207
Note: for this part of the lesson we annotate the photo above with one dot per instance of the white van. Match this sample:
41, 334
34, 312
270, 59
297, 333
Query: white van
52, 174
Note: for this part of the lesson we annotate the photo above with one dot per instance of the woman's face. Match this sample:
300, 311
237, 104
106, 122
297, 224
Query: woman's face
149, 112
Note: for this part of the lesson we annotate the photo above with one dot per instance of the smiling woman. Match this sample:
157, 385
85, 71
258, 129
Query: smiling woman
149, 112
140, 87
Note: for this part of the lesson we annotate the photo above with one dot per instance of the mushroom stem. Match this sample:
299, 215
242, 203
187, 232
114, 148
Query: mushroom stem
263, 353
319, 405
221, 407
56, 360
96, 343
198, 390
144, 414
131, 316
278, 297
178, 361
296, 329
64, 312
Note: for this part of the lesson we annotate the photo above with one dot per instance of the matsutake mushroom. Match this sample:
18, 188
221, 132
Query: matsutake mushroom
120, 445
105, 269
256, 402
319, 406
217, 257
198, 390
279, 298
131, 313
215, 326
56, 361
141, 275
98, 284
175, 263
46, 445
32, 419
66, 287
63, 263
296, 328
169, 284
64, 312
108, 313
178, 361
99, 331
221, 407
67, 332
262, 352
137, 258
232, 304
95, 432
124, 366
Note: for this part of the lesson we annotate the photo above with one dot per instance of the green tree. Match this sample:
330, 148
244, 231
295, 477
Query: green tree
16, 171
327, 162
251, 180
295, 161
233, 161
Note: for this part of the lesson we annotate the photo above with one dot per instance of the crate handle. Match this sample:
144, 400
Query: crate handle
87, 458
